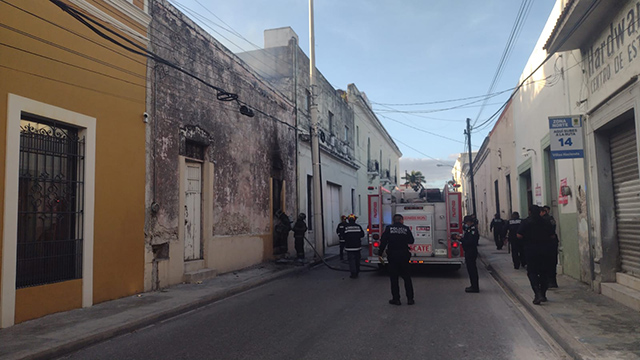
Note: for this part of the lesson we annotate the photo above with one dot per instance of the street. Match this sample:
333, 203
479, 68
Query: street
323, 314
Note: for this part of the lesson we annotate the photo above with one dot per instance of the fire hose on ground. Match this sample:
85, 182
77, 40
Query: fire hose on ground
335, 268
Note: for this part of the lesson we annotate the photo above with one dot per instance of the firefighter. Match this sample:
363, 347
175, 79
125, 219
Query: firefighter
299, 230
537, 233
352, 233
396, 239
340, 231
517, 245
470, 245
553, 252
497, 225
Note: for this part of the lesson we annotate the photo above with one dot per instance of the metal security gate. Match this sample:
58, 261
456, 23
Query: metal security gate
626, 189
50, 203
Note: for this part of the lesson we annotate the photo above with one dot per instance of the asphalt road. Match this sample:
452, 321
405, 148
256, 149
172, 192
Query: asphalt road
323, 314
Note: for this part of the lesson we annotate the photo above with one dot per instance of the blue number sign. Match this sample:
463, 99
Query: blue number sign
565, 134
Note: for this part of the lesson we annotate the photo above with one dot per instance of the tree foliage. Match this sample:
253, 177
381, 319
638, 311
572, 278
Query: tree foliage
415, 179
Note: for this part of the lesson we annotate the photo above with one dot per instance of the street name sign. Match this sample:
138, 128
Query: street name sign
565, 135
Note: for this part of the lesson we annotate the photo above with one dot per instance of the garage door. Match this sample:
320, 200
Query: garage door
626, 189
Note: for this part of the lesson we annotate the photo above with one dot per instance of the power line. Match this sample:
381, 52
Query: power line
551, 53
515, 31
72, 84
72, 65
75, 33
444, 101
422, 130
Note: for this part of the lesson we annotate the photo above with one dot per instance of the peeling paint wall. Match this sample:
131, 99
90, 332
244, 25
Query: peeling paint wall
245, 152
286, 67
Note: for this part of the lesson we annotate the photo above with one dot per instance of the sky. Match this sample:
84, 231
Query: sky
400, 53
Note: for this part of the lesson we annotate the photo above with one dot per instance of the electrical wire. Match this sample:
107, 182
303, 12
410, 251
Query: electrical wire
421, 130
515, 31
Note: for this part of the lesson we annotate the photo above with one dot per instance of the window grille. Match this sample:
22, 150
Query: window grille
50, 203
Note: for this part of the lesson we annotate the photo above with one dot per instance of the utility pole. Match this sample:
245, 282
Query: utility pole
315, 145
473, 186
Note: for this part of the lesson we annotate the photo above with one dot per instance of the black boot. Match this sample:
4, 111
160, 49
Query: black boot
537, 299
553, 283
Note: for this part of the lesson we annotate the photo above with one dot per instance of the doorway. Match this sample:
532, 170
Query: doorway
193, 212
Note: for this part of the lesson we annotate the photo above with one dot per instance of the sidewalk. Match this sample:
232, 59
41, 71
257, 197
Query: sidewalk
58, 334
586, 324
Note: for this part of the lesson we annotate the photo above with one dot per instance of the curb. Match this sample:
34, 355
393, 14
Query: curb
569, 344
137, 324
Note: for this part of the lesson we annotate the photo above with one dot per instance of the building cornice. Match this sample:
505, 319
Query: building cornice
133, 12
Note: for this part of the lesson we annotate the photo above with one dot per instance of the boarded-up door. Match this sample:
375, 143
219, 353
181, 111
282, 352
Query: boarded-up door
192, 217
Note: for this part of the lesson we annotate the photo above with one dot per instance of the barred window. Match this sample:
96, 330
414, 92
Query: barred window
50, 202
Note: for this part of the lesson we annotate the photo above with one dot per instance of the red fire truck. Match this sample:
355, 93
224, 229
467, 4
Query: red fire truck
433, 216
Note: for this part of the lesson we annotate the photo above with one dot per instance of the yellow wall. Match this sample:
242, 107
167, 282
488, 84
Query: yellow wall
120, 145
34, 302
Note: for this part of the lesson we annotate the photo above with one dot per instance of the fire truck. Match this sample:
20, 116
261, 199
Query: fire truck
433, 215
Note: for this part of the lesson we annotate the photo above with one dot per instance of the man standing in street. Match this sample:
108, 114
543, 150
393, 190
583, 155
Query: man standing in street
470, 246
352, 233
396, 239
497, 225
340, 231
299, 230
553, 252
517, 245
538, 239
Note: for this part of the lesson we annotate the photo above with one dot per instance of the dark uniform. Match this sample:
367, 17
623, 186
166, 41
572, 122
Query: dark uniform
352, 233
396, 239
517, 245
537, 234
299, 230
497, 225
553, 252
470, 246
340, 231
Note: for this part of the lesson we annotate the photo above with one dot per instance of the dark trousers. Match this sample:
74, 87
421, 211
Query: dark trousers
517, 253
299, 244
497, 237
553, 262
399, 267
342, 242
354, 262
538, 268
470, 257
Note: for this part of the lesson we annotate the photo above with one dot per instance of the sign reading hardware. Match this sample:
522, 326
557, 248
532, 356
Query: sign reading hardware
565, 134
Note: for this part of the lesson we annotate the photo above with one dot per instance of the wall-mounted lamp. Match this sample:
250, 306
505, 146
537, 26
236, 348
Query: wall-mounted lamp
525, 152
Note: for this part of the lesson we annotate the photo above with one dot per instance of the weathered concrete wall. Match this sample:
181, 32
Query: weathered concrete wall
245, 153
286, 67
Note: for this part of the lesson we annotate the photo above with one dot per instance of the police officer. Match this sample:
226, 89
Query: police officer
299, 230
339, 231
517, 245
497, 225
352, 233
553, 252
470, 246
396, 239
538, 239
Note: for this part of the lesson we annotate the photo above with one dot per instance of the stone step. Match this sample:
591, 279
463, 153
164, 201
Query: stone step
193, 265
199, 275
622, 294
628, 281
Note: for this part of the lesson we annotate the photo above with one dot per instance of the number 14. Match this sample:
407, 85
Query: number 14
564, 142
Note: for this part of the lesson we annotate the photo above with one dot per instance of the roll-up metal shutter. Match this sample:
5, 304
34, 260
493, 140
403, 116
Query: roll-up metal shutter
626, 189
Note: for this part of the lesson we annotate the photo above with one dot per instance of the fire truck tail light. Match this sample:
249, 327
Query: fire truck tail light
376, 244
455, 244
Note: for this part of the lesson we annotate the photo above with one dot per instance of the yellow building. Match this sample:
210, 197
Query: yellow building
72, 144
